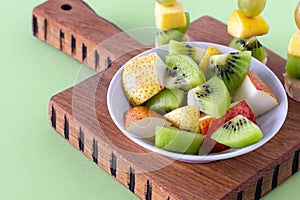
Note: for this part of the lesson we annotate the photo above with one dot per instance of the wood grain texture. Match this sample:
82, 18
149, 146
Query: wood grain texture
75, 29
80, 115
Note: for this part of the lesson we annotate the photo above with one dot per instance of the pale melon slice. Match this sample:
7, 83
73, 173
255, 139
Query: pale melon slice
257, 94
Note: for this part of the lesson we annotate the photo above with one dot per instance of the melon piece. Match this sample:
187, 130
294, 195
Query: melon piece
142, 78
240, 26
169, 17
257, 94
294, 45
141, 122
185, 118
208, 125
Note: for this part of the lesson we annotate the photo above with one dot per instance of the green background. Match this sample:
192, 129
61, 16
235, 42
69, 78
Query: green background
35, 162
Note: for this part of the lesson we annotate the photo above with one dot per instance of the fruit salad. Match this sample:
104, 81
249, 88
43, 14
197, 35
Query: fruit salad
195, 100
245, 24
292, 74
172, 22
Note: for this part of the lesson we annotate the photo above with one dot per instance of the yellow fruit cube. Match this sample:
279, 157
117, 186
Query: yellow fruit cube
169, 17
294, 46
240, 26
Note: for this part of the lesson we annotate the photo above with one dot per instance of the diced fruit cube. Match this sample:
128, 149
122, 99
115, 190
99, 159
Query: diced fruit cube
240, 26
185, 118
166, 101
169, 17
292, 65
141, 122
182, 72
208, 125
238, 132
294, 45
142, 78
204, 63
257, 94
176, 140
292, 86
165, 36
211, 97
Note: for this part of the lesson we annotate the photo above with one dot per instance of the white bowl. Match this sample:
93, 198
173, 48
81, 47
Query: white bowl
270, 123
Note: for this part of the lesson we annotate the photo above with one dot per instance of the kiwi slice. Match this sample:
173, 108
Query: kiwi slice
237, 133
293, 66
166, 2
211, 97
182, 73
250, 44
232, 68
165, 36
173, 139
166, 101
196, 53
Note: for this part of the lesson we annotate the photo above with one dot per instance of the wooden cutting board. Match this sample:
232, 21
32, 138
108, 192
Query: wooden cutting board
80, 115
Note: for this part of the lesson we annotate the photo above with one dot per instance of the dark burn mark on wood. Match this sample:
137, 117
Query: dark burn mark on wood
131, 184
45, 29
53, 117
97, 59
148, 191
113, 165
95, 151
295, 165
109, 62
73, 45
84, 52
81, 140
35, 27
66, 128
240, 195
275, 177
257, 194
61, 39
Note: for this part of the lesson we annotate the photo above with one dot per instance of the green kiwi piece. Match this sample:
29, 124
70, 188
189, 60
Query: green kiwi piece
175, 140
250, 44
293, 66
166, 101
196, 53
211, 97
164, 37
166, 2
182, 73
237, 133
232, 68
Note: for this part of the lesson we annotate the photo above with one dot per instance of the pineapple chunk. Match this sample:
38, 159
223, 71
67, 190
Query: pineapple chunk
169, 17
240, 26
294, 46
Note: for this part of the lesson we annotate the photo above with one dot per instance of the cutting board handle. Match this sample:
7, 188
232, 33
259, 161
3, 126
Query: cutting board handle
75, 29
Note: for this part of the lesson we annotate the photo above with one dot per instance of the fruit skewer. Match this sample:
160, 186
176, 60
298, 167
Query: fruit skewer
245, 24
171, 21
292, 74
